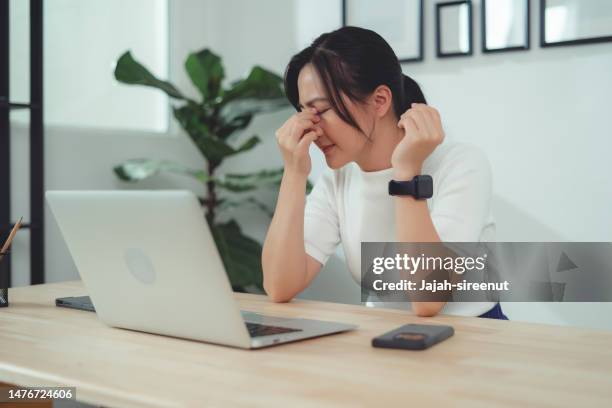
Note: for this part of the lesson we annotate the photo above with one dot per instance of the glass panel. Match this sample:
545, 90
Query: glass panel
397, 21
506, 23
454, 29
83, 39
19, 57
568, 20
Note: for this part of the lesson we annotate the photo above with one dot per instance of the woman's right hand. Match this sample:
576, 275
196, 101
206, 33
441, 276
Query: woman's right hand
294, 138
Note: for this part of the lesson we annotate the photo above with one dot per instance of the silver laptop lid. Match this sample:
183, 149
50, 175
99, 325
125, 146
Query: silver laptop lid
149, 263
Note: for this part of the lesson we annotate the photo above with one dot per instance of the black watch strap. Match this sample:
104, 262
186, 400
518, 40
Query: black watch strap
420, 187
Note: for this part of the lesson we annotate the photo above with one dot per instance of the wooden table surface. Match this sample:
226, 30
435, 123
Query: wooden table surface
486, 363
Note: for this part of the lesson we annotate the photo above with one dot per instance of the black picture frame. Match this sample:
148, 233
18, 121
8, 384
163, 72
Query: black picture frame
483, 36
470, 51
578, 41
421, 31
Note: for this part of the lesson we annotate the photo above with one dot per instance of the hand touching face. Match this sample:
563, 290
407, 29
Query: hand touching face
294, 138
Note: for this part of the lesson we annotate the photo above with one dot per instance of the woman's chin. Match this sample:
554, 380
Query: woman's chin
334, 163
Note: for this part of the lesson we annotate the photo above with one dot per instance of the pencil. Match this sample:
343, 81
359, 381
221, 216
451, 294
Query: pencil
7, 244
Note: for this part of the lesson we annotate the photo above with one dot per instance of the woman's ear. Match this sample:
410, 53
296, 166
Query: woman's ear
382, 99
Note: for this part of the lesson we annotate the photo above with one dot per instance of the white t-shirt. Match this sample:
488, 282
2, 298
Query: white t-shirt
349, 206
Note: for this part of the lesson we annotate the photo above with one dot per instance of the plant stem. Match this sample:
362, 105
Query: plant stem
211, 203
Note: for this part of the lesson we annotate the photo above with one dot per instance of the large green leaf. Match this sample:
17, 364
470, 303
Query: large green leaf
241, 255
206, 72
216, 150
260, 84
261, 91
248, 144
140, 169
248, 182
130, 71
192, 119
252, 181
228, 205
240, 108
227, 128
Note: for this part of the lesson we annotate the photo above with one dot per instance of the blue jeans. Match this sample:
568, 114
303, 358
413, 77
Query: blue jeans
495, 313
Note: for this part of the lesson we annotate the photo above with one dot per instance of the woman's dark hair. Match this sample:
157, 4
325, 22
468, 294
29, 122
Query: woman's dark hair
353, 61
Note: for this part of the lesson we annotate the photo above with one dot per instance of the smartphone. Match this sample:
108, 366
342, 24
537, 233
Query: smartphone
76, 302
413, 336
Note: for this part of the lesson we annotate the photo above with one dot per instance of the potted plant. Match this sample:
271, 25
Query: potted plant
211, 122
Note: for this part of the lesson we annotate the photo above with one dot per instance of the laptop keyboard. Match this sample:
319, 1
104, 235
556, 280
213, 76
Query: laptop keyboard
258, 330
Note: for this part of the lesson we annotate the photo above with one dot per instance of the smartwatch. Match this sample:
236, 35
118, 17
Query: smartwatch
420, 187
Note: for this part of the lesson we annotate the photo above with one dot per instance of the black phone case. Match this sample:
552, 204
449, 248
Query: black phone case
413, 336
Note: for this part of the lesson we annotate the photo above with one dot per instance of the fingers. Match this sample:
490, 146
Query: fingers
304, 144
293, 130
295, 137
432, 117
306, 119
300, 128
305, 123
422, 120
426, 120
408, 124
437, 120
310, 114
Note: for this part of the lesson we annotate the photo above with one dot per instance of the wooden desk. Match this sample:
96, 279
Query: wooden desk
486, 363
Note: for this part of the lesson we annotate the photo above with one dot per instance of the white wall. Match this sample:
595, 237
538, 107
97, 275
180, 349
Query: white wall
541, 116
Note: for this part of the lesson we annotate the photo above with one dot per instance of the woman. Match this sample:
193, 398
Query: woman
373, 125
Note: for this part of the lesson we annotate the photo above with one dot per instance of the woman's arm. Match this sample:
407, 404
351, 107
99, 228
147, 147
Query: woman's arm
423, 132
414, 224
287, 268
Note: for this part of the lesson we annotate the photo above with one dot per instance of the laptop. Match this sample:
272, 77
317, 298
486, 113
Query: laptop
149, 263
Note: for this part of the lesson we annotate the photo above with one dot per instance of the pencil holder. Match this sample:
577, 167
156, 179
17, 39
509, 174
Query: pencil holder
3, 297
4, 302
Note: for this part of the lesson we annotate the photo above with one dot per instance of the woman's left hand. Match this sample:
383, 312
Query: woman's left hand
422, 134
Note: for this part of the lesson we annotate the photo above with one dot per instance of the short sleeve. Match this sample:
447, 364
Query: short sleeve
461, 207
321, 224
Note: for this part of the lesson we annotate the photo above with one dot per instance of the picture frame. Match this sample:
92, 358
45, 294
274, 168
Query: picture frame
399, 22
454, 29
505, 26
574, 22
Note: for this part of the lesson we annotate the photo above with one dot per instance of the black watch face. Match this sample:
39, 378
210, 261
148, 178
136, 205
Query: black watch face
425, 187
